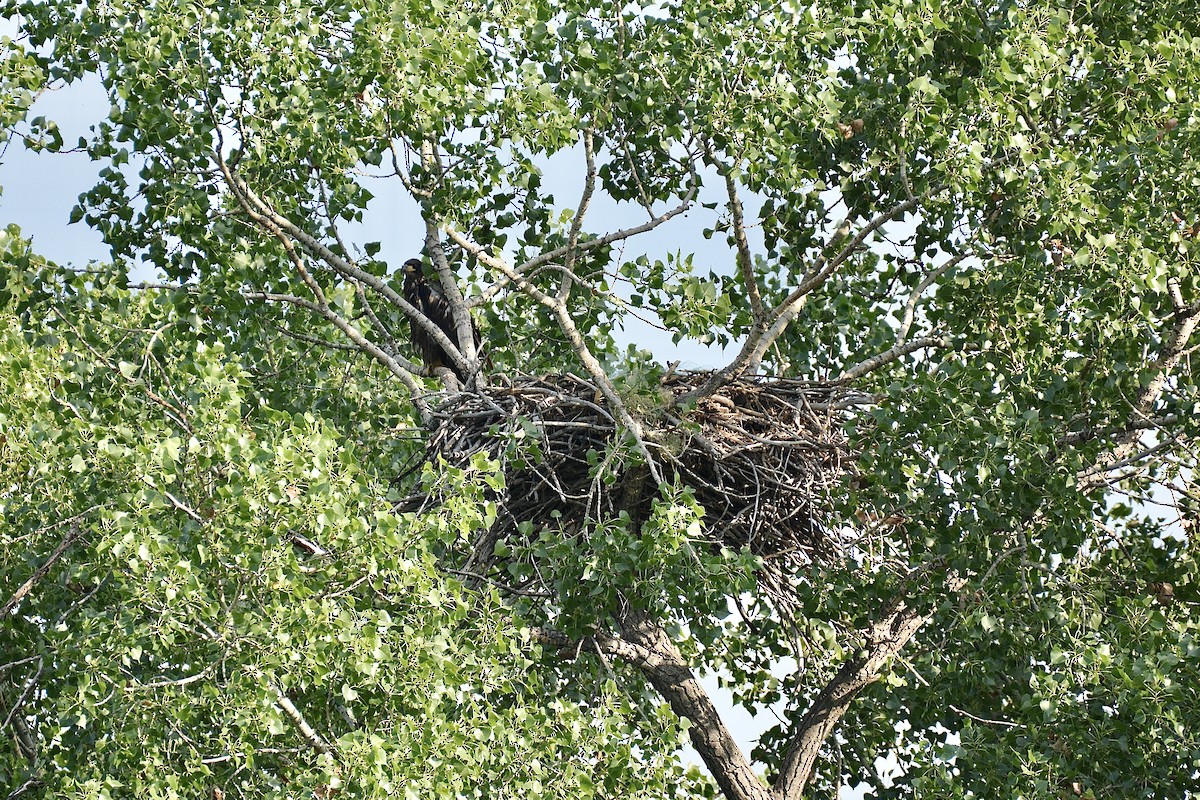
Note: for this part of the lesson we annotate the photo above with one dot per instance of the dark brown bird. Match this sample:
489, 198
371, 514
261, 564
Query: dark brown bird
429, 299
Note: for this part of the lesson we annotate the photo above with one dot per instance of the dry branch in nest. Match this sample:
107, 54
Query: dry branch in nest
762, 457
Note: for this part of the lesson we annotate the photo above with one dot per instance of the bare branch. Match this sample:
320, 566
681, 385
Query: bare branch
1000, 722
1144, 424
175, 501
412, 188
138, 686
910, 308
73, 535
823, 268
375, 321
744, 258
899, 351
33, 783
1089, 475
18, 662
615, 236
551, 256
307, 731
590, 244
329, 217
26, 691
589, 186
643, 195
302, 337
263, 215
781, 316
433, 246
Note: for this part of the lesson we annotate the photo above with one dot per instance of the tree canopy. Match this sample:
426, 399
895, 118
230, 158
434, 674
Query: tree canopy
969, 231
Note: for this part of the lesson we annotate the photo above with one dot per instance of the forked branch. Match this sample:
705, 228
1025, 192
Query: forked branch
270, 221
645, 645
566, 323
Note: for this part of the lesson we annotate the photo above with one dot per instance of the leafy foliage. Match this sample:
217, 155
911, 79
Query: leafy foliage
187, 601
977, 220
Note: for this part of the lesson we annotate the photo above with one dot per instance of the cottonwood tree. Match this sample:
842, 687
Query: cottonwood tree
965, 234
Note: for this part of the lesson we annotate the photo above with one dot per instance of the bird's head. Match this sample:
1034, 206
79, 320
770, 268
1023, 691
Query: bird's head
413, 268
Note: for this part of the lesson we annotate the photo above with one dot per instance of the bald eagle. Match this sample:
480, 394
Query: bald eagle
429, 299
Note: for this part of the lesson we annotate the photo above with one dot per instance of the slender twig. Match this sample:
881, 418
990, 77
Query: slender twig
137, 686
226, 757
303, 337
591, 244
840, 247
1001, 722
18, 662
26, 691
175, 413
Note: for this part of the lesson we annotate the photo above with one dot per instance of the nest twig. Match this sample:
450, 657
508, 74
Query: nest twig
760, 455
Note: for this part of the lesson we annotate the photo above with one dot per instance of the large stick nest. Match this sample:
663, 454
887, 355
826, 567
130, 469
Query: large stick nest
762, 457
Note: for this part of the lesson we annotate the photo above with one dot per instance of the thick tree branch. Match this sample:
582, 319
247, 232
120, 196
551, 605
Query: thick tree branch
598, 642
672, 678
873, 363
74, 532
644, 644
433, 246
884, 640
307, 731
